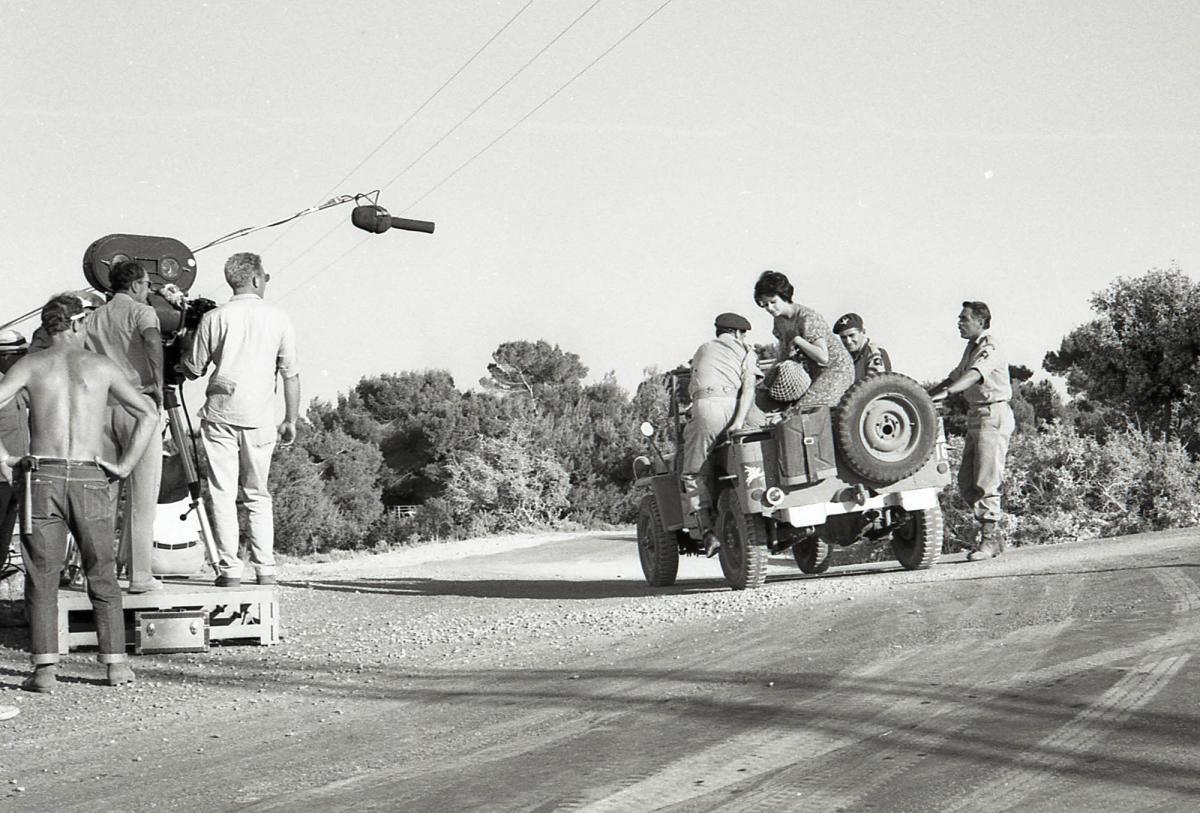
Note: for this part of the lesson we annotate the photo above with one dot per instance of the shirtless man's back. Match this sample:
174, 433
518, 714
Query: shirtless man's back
65, 481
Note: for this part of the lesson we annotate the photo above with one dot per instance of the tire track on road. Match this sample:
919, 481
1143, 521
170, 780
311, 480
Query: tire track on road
1067, 745
1179, 587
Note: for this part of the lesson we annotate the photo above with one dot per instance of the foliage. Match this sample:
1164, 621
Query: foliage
306, 518
504, 484
531, 367
1139, 355
1061, 485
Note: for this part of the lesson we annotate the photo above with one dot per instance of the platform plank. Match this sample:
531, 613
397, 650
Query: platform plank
249, 613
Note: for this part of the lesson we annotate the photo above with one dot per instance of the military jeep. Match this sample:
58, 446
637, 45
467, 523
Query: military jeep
868, 469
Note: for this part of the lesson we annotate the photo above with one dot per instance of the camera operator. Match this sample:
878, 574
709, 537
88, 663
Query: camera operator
127, 331
249, 342
14, 435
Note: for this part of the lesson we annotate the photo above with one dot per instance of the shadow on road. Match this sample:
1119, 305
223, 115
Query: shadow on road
537, 589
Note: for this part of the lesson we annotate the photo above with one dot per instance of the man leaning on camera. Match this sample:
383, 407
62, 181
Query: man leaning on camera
127, 331
248, 342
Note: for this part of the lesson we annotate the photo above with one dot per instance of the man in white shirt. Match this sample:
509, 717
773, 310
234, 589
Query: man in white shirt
248, 342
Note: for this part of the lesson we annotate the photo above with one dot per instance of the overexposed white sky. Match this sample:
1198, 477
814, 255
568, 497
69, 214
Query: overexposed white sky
891, 158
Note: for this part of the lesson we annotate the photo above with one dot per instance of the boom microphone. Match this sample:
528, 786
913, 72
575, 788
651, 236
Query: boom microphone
377, 220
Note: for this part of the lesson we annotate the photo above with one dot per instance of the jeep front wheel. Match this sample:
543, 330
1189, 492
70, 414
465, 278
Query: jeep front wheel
918, 542
743, 551
658, 549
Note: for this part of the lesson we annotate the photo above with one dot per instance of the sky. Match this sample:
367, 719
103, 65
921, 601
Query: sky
609, 175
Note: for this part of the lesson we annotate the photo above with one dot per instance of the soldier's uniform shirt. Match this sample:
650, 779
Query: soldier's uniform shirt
722, 364
870, 360
720, 368
990, 424
981, 355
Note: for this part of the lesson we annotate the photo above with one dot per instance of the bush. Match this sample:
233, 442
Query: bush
1062, 486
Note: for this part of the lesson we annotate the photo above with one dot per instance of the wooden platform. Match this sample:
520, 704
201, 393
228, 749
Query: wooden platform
248, 614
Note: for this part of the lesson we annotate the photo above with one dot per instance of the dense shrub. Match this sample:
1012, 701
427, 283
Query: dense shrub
1061, 485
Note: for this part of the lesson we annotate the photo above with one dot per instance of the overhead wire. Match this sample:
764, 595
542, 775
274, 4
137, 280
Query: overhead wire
471, 59
497, 139
453, 129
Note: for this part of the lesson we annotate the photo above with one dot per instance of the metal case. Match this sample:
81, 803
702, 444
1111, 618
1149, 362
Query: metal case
170, 631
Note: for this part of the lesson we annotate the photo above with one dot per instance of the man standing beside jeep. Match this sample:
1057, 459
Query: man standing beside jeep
982, 377
722, 395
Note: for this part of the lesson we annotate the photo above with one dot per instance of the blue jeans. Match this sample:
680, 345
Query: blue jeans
74, 495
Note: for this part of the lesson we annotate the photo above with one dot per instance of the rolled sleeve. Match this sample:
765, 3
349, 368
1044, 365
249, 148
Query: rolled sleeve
198, 357
287, 363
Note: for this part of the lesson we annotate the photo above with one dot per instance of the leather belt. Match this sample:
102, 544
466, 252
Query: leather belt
714, 392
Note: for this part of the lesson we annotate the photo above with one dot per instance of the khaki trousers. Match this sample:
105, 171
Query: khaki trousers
141, 496
989, 428
239, 463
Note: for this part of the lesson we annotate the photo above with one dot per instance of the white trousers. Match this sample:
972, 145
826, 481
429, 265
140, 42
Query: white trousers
239, 462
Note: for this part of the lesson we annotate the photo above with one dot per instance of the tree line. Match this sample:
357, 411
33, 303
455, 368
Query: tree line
537, 447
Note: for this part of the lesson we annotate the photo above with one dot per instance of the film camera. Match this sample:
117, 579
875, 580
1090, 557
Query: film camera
171, 267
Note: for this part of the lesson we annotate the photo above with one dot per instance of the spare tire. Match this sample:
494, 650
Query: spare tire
886, 427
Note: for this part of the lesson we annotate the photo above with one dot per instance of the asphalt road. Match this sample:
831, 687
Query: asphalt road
550, 678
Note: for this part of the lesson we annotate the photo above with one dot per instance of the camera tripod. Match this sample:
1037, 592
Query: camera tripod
176, 421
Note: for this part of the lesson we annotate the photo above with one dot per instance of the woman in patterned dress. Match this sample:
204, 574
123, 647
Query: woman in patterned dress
804, 336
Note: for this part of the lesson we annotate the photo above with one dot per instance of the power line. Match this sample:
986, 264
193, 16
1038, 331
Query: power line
542, 104
497, 139
493, 94
411, 116
461, 121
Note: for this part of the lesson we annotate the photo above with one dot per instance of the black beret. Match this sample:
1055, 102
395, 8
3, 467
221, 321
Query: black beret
848, 321
732, 321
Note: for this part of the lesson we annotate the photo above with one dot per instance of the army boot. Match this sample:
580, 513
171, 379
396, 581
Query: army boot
991, 543
710, 541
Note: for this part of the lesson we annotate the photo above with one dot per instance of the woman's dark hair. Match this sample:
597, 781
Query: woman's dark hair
772, 283
60, 312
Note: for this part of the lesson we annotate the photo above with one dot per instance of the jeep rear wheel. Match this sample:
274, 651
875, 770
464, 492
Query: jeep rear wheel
886, 427
812, 555
743, 551
918, 542
658, 549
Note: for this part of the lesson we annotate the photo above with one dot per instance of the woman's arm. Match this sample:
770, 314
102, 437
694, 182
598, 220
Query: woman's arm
817, 350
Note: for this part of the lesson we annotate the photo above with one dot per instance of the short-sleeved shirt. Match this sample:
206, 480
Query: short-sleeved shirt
115, 330
722, 364
981, 355
248, 341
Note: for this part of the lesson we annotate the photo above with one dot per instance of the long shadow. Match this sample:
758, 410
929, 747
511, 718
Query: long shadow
535, 589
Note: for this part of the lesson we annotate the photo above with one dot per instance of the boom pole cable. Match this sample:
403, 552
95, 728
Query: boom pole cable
437, 143
494, 141
411, 116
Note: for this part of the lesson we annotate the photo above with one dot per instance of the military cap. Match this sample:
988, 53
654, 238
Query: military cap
732, 321
848, 321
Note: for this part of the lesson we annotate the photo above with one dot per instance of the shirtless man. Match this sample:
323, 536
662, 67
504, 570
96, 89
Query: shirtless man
65, 483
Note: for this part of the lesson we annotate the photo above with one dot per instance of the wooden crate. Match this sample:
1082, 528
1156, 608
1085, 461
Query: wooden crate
249, 614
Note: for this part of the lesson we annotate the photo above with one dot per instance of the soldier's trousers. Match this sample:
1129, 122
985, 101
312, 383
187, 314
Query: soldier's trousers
710, 418
989, 428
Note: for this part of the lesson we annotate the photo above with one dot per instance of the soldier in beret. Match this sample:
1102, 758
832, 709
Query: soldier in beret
982, 377
722, 394
869, 358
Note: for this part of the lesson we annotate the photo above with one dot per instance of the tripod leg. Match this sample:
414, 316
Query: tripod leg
191, 471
